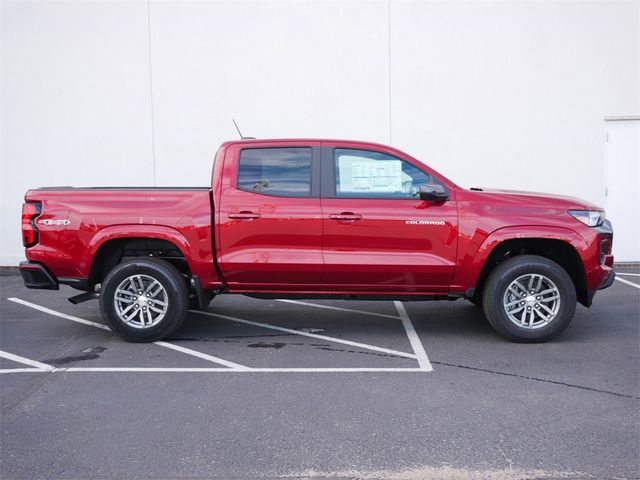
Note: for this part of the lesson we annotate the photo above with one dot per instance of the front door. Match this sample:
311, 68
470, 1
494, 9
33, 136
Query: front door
269, 219
378, 234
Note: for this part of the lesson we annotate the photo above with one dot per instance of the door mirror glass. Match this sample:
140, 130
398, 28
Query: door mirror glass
433, 192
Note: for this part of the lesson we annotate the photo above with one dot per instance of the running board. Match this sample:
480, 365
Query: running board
83, 297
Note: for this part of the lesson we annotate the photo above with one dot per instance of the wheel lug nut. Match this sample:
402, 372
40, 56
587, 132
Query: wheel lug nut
538, 297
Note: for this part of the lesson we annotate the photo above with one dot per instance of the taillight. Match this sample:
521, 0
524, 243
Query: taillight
29, 231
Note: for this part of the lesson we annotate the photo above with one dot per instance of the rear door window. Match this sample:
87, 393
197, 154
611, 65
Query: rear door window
282, 172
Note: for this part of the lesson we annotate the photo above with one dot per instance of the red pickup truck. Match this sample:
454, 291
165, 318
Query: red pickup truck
318, 219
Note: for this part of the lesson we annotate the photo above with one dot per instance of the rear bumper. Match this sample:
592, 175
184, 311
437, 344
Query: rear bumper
36, 275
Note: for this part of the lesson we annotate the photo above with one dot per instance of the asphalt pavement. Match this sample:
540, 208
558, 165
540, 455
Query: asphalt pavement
318, 389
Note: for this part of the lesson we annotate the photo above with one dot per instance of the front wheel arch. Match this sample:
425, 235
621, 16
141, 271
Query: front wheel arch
558, 251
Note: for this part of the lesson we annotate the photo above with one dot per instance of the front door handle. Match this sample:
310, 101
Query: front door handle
345, 216
244, 215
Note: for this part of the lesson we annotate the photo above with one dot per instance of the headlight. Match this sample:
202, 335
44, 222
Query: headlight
591, 218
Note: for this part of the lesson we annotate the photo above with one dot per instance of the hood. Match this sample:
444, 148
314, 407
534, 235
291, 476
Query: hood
538, 199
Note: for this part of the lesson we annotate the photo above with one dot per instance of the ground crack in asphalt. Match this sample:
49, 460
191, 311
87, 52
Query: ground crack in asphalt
525, 377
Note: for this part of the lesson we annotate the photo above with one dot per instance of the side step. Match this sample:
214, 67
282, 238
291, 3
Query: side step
83, 297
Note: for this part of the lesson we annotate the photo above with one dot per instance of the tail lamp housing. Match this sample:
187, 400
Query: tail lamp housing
30, 212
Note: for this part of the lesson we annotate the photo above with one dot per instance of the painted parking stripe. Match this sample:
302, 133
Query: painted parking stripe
58, 314
171, 346
204, 356
308, 334
340, 309
26, 361
24, 370
629, 274
416, 344
211, 370
627, 282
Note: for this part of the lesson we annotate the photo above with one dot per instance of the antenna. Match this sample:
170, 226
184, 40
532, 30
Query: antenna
242, 137
238, 129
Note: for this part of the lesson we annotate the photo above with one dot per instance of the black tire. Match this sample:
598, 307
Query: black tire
496, 289
175, 295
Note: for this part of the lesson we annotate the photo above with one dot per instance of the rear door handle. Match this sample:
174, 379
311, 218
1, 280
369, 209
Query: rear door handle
345, 216
244, 215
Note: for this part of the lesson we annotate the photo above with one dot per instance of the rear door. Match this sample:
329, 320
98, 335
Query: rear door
269, 217
378, 234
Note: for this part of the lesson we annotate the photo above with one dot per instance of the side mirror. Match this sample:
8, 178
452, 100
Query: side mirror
433, 192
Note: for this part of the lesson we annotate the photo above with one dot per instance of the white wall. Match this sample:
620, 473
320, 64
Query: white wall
502, 94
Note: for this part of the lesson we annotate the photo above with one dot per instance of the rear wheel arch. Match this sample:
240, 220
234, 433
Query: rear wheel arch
116, 250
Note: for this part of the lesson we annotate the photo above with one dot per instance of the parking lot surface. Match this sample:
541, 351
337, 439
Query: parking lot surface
318, 389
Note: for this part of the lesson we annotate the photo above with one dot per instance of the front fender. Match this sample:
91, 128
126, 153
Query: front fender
472, 261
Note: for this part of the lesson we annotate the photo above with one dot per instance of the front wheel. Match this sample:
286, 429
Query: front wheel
529, 298
144, 300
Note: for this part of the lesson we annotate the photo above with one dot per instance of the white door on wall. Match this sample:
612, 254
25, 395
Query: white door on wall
622, 180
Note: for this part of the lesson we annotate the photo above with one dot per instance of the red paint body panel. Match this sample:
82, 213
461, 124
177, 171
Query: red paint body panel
284, 244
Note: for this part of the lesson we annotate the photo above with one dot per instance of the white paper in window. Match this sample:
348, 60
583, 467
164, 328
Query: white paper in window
364, 175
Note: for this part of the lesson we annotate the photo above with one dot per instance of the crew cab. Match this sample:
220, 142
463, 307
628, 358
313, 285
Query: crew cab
318, 219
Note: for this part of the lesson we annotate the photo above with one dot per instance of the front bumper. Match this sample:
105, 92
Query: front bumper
608, 281
37, 276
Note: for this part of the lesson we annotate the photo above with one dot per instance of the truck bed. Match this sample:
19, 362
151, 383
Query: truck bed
75, 223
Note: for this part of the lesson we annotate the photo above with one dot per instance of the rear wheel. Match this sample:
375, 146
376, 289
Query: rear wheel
144, 300
529, 299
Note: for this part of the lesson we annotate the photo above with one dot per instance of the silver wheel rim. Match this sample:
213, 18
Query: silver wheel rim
531, 301
141, 301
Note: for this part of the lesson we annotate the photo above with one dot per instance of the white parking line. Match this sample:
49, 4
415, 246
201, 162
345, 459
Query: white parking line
209, 370
55, 313
420, 355
24, 370
204, 356
188, 351
307, 334
26, 361
416, 344
628, 282
629, 274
